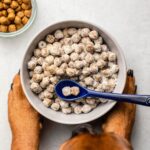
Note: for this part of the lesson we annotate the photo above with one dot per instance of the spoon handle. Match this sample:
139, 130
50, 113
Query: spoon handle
137, 99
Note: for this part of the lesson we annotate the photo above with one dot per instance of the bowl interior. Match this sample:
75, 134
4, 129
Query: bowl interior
72, 118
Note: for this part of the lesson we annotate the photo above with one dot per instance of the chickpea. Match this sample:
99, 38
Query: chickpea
25, 20
4, 20
4, 13
19, 26
17, 20
27, 13
20, 14
11, 16
18, 8
3, 28
14, 4
11, 28
25, 6
10, 10
7, 1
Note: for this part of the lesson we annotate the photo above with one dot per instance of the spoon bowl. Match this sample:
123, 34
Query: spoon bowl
63, 83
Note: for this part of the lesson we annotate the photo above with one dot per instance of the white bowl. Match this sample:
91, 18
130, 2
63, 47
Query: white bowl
72, 118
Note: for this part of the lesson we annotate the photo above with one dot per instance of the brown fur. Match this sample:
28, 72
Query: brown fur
23, 119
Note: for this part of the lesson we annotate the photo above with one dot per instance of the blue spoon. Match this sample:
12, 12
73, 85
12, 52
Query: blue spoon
137, 99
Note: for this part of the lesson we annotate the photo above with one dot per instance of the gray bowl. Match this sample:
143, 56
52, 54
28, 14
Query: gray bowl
72, 118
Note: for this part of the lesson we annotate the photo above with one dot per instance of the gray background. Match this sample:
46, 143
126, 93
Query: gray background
127, 20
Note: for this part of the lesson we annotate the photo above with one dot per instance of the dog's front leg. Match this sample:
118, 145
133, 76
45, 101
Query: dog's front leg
121, 119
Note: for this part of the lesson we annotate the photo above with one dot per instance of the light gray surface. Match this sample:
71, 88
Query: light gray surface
127, 20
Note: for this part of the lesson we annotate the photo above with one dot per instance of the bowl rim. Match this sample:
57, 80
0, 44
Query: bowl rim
111, 104
25, 27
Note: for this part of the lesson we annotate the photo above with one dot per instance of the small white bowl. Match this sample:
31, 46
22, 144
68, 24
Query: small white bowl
24, 28
72, 118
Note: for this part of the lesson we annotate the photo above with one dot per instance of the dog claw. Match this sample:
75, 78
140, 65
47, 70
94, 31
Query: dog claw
130, 73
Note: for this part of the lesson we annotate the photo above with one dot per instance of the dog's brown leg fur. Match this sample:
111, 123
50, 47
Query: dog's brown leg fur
23, 119
121, 119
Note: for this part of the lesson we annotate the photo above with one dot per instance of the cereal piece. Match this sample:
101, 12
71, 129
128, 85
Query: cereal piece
37, 77
67, 110
54, 50
97, 47
55, 106
99, 40
86, 108
64, 66
71, 72
93, 68
38, 69
67, 49
47, 102
82, 56
32, 64
7, 1
71, 64
54, 79
78, 110
97, 77
65, 33
89, 58
112, 56
104, 47
93, 35
78, 64
44, 52
85, 40
40, 60
49, 59
44, 82
51, 69
95, 84
58, 34
114, 68
66, 91
50, 38
76, 38
101, 63
65, 58
72, 31
50, 88
60, 72
47, 94
35, 87
89, 81
42, 44
85, 32
74, 56
90, 47
57, 61
90, 101
64, 104
86, 71
75, 90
